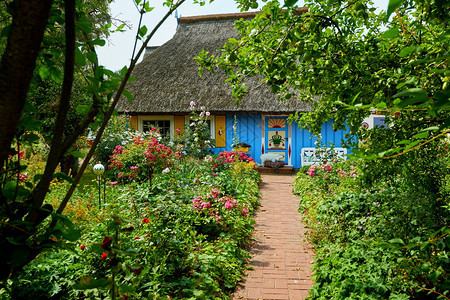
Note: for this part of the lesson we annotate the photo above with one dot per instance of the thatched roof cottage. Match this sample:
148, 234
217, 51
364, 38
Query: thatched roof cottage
168, 80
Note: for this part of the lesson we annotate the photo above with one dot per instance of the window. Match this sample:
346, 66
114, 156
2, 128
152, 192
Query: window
163, 123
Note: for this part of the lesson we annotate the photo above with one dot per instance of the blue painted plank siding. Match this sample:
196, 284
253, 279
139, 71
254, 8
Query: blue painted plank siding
302, 138
249, 130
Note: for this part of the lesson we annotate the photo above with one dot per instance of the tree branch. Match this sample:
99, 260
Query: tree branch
64, 104
111, 110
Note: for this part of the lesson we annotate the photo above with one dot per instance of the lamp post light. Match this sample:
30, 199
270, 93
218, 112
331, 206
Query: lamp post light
99, 169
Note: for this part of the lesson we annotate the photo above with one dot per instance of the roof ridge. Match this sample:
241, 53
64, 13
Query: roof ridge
230, 16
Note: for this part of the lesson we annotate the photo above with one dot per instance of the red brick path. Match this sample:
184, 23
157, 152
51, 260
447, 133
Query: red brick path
281, 258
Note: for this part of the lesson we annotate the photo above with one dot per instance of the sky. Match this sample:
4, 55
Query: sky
119, 46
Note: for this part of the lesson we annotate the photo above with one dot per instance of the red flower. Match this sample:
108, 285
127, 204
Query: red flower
106, 244
136, 238
104, 255
145, 220
82, 247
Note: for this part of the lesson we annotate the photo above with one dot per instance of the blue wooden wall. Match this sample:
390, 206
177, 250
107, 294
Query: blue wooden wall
249, 130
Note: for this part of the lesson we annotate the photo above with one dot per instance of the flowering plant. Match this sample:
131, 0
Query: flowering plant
140, 159
196, 139
331, 173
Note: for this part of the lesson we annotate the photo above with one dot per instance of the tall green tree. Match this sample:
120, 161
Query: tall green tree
349, 60
52, 40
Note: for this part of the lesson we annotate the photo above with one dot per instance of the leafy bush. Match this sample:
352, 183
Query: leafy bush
382, 234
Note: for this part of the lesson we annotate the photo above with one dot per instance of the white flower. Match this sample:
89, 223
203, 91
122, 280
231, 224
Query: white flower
202, 108
166, 170
207, 113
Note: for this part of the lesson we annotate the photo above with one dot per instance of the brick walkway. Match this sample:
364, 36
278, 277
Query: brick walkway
281, 259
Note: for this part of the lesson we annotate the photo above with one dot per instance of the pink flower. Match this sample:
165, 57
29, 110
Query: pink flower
244, 212
206, 205
113, 182
133, 168
118, 149
228, 205
177, 130
214, 193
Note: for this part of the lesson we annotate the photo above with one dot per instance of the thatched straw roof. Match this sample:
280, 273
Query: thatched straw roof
168, 80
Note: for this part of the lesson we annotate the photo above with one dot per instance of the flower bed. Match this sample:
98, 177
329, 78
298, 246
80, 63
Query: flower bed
185, 235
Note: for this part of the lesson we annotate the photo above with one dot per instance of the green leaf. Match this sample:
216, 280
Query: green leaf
128, 95
290, 3
44, 72
80, 60
82, 109
91, 283
421, 135
404, 142
381, 105
432, 128
29, 123
56, 74
415, 95
409, 81
396, 241
392, 6
98, 42
391, 33
77, 154
407, 50
124, 71
412, 145
30, 138
92, 57
143, 31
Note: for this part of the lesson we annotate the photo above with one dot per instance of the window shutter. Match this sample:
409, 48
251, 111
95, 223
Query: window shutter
179, 124
221, 139
134, 122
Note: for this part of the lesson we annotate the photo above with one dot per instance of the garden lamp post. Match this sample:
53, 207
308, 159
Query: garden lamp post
99, 169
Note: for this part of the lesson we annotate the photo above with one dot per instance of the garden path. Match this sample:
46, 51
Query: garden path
281, 258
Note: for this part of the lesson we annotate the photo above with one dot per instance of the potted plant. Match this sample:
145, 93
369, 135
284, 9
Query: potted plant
276, 139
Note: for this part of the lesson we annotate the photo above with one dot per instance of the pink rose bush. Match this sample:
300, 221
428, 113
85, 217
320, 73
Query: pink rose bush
332, 173
220, 209
140, 159
227, 158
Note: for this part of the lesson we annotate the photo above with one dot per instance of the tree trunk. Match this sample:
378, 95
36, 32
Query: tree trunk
18, 63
